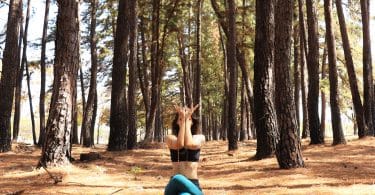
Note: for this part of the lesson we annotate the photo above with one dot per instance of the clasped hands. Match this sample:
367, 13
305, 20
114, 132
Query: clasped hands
185, 114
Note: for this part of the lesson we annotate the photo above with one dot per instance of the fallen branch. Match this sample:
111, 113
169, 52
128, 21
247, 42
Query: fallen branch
55, 179
116, 191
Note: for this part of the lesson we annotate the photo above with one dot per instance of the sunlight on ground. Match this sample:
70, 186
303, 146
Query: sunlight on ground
347, 169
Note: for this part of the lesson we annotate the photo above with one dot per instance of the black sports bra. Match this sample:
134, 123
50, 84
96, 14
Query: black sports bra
185, 155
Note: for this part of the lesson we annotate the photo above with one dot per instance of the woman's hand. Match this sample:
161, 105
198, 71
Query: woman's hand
188, 114
181, 115
191, 110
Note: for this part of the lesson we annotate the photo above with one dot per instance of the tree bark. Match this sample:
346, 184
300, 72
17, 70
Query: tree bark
57, 147
323, 96
88, 121
197, 75
155, 72
265, 113
288, 151
9, 73
368, 87
357, 103
338, 134
296, 70
75, 130
118, 127
18, 88
313, 73
232, 69
240, 56
303, 53
132, 113
42, 122
188, 91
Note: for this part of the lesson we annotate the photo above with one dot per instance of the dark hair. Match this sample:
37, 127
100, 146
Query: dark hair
194, 126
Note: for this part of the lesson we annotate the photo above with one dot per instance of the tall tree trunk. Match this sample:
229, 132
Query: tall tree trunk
75, 130
296, 70
57, 147
358, 108
243, 116
197, 75
224, 119
18, 90
42, 114
88, 114
338, 134
155, 70
24, 63
118, 127
303, 52
143, 68
132, 114
232, 67
368, 87
265, 113
313, 73
323, 96
240, 56
94, 116
186, 74
30, 103
9, 73
288, 151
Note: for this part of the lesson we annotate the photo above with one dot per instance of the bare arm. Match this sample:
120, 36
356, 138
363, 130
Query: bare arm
178, 142
192, 142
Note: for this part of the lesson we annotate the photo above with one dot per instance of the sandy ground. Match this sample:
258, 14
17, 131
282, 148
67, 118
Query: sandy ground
344, 169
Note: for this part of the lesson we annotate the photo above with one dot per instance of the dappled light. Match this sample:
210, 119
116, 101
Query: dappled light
339, 169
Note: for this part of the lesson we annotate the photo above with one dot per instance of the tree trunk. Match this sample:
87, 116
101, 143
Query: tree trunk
88, 114
155, 70
232, 69
18, 90
296, 70
30, 103
338, 134
224, 123
303, 52
323, 97
313, 72
143, 68
132, 113
368, 92
118, 127
265, 113
42, 117
57, 147
243, 116
197, 76
75, 130
188, 92
288, 151
240, 56
358, 108
9, 73
74, 134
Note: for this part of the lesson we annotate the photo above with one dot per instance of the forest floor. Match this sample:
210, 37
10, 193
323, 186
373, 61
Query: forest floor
343, 169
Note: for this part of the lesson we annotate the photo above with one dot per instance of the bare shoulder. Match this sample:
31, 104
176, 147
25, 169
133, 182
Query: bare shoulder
169, 139
199, 138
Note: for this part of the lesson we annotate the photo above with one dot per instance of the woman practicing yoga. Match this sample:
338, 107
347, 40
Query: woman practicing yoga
184, 146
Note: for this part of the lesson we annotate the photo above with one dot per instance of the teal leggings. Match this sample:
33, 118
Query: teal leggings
180, 185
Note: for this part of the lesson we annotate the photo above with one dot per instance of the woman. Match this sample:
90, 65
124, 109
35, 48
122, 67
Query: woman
184, 146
